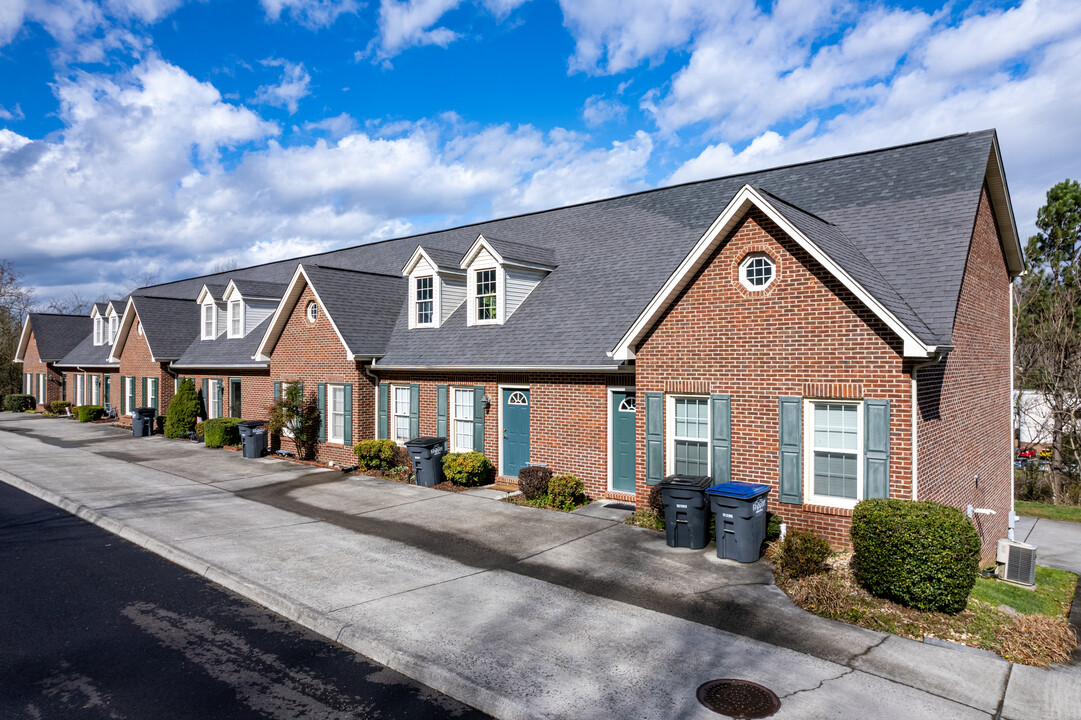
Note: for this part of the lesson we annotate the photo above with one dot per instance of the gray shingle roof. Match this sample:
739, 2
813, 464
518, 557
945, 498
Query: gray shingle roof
260, 288
57, 335
512, 251
87, 354
364, 306
908, 211
224, 351
169, 324
445, 259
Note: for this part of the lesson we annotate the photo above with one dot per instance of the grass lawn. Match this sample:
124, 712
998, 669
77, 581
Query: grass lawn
1046, 510
1054, 593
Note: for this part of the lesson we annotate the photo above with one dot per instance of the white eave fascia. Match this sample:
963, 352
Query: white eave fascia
126, 321
219, 366
746, 198
995, 177
506, 368
24, 341
229, 290
281, 316
481, 243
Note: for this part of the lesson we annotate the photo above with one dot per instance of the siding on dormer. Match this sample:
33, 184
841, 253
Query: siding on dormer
520, 282
452, 290
255, 312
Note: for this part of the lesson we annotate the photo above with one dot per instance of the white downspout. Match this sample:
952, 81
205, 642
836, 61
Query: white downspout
1013, 414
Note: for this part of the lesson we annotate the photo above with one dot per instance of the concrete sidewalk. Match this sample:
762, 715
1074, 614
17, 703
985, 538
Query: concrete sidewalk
520, 612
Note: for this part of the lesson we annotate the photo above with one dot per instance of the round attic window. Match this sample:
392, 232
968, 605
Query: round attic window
756, 271
312, 311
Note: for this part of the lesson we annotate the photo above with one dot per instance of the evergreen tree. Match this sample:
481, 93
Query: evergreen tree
183, 410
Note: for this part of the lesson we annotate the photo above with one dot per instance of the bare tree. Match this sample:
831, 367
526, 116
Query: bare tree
74, 304
15, 301
224, 265
143, 279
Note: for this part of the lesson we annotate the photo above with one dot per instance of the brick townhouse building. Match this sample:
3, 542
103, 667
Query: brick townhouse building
837, 329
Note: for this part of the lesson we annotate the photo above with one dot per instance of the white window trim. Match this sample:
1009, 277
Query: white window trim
114, 327
331, 412
747, 261
129, 394
99, 331
213, 405
42, 382
413, 303
95, 390
453, 419
608, 442
500, 295
808, 454
499, 417
393, 415
670, 430
238, 316
308, 311
213, 321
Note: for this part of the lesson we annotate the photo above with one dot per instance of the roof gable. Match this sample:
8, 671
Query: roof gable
55, 335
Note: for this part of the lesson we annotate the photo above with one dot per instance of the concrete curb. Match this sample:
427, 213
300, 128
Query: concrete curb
434, 676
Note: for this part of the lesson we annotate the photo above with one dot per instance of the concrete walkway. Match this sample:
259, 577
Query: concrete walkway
520, 612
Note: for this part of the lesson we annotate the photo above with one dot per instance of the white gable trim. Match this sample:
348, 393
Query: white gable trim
1003, 210
479, 244
285, 307
746, 198
126, 322
420, 254
24, 341
203, 294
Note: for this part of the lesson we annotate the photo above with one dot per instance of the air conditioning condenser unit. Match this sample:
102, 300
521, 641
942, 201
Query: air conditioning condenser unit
1016, 562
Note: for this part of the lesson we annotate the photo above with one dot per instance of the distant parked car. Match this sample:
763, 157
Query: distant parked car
1026, 453
1045, 454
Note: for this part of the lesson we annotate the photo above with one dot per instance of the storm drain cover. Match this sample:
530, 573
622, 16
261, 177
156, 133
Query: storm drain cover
738, 698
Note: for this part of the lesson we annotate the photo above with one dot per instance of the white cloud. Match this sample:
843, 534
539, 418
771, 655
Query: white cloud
290, 90
335, 127
412, 23
12, 13
599, 110
16, 114
310, 13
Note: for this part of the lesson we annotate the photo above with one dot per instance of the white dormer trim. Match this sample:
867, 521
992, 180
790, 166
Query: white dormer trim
234, 311
114, 324
99, 328
421, 265
205, 293
24, 341
213, 308
482, 243
746, 198
420, 254
289, 300
414, 283
127, 321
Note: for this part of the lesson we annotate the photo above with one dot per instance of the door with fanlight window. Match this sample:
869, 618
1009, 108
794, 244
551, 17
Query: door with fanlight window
622, 440
515, 430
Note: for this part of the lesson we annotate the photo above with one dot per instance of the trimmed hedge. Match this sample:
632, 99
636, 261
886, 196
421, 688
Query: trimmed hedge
920, 554
566, 492
57, 407
467, 469
19, 403
183, 410
533, 481
218, 432
89, 413
376, 454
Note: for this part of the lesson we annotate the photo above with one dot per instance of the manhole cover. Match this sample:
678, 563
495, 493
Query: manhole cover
738, 698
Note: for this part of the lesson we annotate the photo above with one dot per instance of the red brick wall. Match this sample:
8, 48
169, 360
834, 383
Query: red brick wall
804, 335
33, 365
964, 422
114, 388
312, 353
136, 361
255, 389
568, 417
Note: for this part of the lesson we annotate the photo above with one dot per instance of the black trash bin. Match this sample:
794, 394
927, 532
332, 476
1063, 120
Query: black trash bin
740, 509
252, 437
686, 510
142, 421
427, 454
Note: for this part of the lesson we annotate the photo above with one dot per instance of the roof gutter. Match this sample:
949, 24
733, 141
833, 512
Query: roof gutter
249, 366
509, 368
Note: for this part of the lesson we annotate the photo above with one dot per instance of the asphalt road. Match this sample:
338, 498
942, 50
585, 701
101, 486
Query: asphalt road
92, 626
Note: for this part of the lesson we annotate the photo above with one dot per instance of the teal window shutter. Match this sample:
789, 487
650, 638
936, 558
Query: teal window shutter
441, 411
876, 451
381, 413
720, 410
157, 396
654, 437
414, 410
277, 391
205, 409
348, 410
321, 392
790, 430
301, 386
105, 380
221, 396
145, 398
478, 418
63, 386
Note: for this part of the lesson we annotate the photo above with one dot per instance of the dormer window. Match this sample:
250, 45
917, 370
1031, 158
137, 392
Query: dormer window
485, 293
210, 321
114, 327
98, 327
236, 319
425, 300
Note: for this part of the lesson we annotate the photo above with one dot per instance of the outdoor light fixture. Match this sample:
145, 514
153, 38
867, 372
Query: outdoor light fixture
487, 402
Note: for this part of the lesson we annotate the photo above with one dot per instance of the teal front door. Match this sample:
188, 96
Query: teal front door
622, 448
515, 430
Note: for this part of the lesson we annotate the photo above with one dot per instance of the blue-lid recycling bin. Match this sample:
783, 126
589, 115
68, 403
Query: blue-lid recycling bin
740, 512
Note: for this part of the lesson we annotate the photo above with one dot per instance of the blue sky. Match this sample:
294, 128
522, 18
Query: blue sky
170, 136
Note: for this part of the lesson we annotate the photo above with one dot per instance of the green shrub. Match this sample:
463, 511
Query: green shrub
89, 413
200, 428
58, 407
920, 554
566, 492
773, 526
19, 403
656, 500
218, 432
467, 469
183, 410
299, 415
376, 454
533, 481
801, 554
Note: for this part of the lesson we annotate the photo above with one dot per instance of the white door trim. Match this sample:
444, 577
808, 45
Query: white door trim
611, 390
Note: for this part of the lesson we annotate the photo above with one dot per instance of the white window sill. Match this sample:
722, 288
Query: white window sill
827, 501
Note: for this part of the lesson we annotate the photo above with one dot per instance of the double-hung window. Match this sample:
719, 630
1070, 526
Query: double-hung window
462, 420
114, 326
835, 452
208, 321
95, 390
399, 410
98, 325
425, 300
486, 295
152, 393
690, 435
336, 413
213, 403
129, 394
236, 319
